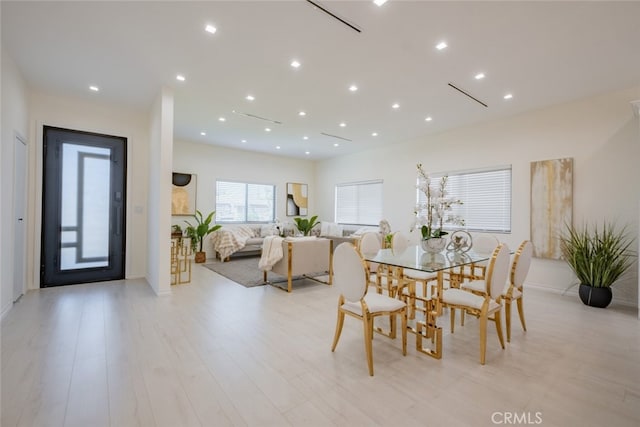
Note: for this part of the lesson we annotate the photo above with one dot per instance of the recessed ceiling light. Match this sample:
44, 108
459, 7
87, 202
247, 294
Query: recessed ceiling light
395, 106
508, 96
353, 88
250, 98
180, 77
277, 147
379, 2
441, 45
302, 113
244, 141
210, 29
343, 124
94, 88
267, 129
203, 133
295, 63
305, 137
479, 76
428, 119
307, 152
222, 119
374, 134
336, 145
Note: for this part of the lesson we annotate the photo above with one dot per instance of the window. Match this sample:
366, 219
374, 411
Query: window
242, 202
359, 203
486, 197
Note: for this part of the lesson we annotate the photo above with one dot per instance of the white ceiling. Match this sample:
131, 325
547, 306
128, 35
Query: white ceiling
543, 53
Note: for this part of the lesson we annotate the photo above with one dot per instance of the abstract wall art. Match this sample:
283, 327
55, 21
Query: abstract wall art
297, 199
183, 194
551, 204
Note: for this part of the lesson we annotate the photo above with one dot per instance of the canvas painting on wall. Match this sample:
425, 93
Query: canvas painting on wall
551, 204
183, 194
297, 199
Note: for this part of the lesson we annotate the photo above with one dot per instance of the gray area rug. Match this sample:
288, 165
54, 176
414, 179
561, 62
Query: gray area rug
244, 270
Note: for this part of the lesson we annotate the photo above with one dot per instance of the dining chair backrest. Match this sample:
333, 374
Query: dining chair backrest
370, 243
484, 243
349, 272
498, 270
521, 264
399, 242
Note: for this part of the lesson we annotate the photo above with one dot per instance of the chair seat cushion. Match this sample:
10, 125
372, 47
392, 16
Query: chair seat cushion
475, 285
463, 298
377, 303
515, 294
419, 293
419, 275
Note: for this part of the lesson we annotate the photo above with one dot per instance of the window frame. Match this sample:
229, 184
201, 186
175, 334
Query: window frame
507, 211
358, 216
246, 202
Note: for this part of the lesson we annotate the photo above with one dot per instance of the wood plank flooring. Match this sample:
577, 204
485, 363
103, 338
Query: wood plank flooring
217, 354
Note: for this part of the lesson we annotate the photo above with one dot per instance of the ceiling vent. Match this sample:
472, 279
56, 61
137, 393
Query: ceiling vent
467, 95
253, 116
335, 136
334, 16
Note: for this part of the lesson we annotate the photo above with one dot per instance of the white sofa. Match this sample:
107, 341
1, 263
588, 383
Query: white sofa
240, 239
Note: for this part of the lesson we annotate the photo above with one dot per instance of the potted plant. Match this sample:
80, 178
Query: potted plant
199, 231
176, 231
305, 225
598, 256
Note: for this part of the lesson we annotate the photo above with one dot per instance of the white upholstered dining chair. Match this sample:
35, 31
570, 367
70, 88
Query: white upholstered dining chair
485, 307
514, 289
482, 244
350, 277
369, 244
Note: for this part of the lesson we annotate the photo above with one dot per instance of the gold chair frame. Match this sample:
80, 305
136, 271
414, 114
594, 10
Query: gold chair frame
368, 319
484, 313
508, 296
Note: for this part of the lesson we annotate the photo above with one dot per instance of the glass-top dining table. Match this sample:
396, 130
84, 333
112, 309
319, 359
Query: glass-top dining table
414, 258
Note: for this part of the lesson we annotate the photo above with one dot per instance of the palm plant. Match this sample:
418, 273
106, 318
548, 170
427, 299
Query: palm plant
305, 225
597, 256
202, 229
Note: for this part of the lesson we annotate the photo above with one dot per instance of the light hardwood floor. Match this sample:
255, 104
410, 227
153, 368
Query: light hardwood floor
217, 354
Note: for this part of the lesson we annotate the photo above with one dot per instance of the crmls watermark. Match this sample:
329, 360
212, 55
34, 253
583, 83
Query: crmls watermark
516, 418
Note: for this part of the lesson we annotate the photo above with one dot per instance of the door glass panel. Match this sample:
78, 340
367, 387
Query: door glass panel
85, 207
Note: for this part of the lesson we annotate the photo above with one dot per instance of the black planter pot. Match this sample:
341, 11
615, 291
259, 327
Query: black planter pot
595, 297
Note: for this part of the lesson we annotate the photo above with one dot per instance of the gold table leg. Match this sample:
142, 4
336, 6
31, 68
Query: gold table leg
429, 328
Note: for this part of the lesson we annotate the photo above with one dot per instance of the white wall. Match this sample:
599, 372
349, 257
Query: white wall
14, 120
211, 163
159, 199
73, 113
600, 133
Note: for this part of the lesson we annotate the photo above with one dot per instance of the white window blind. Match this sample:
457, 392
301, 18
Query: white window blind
359, 203
486, 197
244, 202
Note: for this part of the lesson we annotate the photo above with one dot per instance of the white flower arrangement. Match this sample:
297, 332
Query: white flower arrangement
436, 206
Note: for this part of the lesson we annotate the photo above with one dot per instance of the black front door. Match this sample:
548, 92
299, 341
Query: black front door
83, 207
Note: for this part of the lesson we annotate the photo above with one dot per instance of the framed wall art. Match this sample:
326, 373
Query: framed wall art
551, 205
183, 194
297, 199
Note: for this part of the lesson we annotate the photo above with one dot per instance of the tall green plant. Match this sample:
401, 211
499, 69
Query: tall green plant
305, 225
597, 255
202, 229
